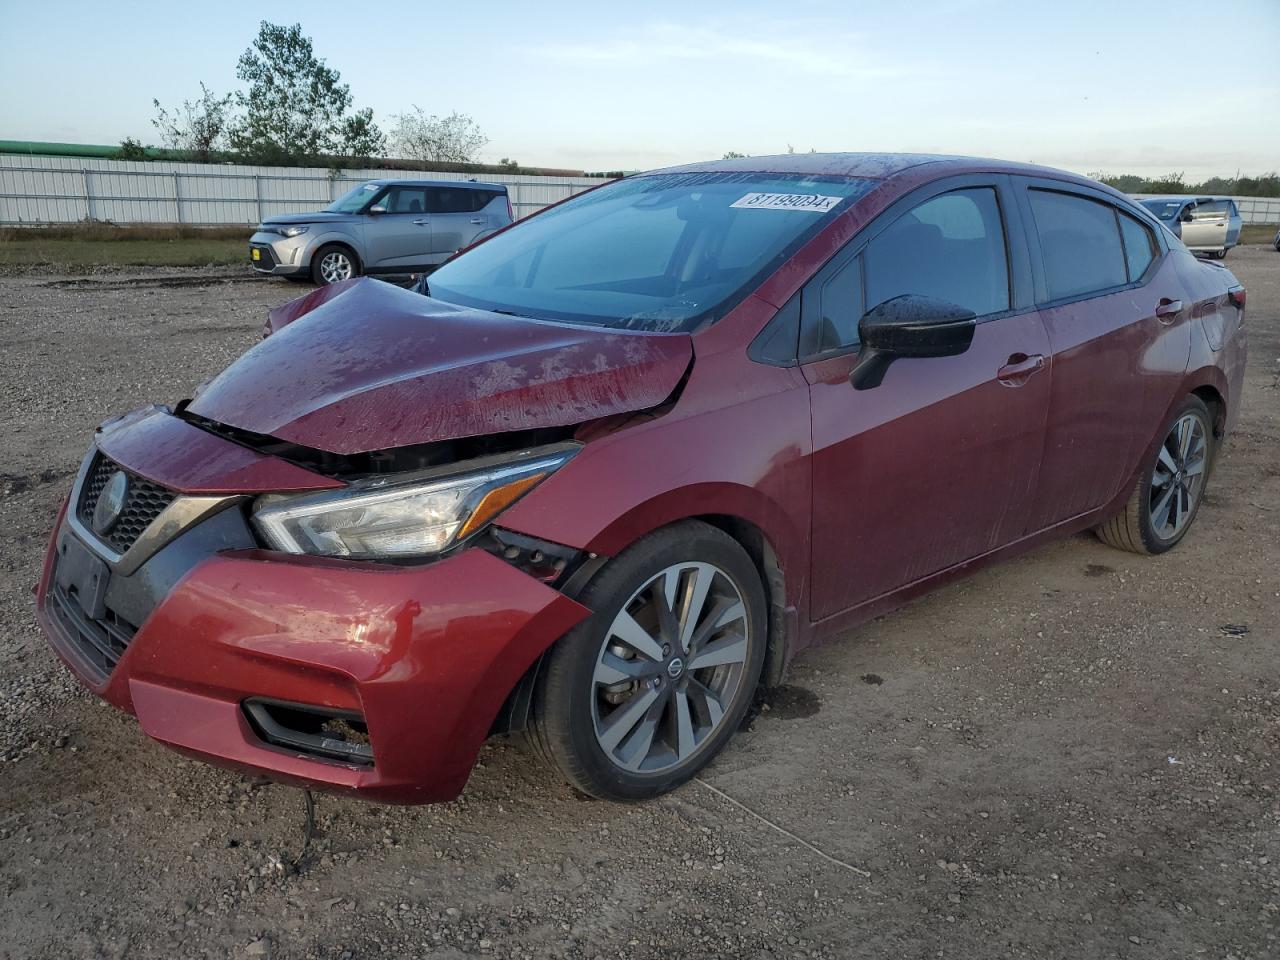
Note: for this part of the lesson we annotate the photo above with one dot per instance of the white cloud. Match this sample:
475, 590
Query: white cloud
810, 48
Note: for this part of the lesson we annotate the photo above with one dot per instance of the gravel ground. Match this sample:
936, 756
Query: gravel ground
1069, 755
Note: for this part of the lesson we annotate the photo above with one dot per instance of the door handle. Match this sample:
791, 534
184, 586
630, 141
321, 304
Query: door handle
421, 223
1167, 310
1020, 368
478, 220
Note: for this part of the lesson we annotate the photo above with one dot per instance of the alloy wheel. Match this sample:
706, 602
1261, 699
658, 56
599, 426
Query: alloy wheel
1178, 478
670, 667
335, 266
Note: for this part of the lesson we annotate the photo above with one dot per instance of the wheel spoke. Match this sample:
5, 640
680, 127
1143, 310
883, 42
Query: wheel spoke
684, 725
695, 600
711, 707
1160, 512
1195, 468
663, 593
635, 748
635, 636
1167, 461
1185, 429
612, 669
725, 611
623, 720
730, 649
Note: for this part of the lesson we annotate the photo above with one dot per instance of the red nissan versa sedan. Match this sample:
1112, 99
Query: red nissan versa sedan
628, 457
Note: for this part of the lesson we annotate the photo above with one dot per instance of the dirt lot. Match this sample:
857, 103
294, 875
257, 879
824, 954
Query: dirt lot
1070, 755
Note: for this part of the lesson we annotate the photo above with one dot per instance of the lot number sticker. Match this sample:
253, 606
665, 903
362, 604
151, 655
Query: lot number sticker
813, 203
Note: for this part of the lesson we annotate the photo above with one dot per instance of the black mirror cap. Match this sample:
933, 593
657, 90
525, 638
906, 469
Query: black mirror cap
910, 325
918, 326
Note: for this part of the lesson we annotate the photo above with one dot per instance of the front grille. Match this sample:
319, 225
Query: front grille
143, 503
100, 642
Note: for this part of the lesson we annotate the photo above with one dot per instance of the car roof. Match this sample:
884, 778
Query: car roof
469, 184
876, 166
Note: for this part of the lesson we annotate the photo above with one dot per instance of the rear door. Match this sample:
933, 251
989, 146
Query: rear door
1208, 227
937, 464
401, 237
1117, 325
457, 217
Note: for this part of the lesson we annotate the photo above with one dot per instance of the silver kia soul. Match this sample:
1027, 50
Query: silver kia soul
383, 226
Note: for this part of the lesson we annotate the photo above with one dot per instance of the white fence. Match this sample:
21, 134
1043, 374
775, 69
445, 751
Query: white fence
35, 190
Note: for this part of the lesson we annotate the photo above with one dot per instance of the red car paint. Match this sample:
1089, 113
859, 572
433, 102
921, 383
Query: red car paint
861, 499
380, 361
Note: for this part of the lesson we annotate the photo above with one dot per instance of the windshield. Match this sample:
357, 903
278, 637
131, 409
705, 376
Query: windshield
1164, 209
353, 201
665, 252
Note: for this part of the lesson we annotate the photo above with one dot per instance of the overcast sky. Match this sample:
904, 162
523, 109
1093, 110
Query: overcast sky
1141, 86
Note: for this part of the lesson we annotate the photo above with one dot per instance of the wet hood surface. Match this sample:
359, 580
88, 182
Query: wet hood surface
364, 366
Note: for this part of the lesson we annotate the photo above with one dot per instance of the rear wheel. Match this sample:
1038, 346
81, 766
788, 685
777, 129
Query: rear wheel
1167, 495
333, 264
639, 697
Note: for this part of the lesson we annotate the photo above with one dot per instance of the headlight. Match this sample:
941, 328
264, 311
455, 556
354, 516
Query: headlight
400, 518
293, 231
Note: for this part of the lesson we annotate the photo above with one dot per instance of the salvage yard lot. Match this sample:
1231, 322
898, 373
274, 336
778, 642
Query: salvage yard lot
1073, 754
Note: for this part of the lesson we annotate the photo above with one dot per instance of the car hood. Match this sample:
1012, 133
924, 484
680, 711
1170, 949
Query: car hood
320, 216
365, 366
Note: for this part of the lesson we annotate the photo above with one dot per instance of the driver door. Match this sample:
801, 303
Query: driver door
400, 236
936, 465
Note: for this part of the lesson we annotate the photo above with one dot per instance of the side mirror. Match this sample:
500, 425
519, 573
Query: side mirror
909, 326
377, 208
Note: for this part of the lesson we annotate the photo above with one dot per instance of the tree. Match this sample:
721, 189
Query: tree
198, 127
733, 155
452, 139
361, 136
131, 149
296, 107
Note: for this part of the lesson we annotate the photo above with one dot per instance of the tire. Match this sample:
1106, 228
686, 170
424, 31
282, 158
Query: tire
620, 724
332, 263
1145, 525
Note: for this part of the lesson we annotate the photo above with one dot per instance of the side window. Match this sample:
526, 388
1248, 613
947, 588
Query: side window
950, 247
1139, 246
1212, 210
841, 307
1080, 243
455, 200
405, 200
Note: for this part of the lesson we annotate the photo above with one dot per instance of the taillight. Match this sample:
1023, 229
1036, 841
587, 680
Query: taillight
1237, 296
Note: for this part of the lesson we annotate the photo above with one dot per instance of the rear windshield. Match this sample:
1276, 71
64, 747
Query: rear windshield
664, 252
1164, 209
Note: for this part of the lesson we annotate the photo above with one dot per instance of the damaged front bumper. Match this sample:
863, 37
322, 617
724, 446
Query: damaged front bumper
217, 646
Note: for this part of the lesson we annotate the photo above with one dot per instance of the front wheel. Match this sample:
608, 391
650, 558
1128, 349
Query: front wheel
333, 264
1168, 493
639, 697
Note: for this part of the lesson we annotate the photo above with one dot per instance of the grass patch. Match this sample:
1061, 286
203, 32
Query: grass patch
1258, 232
97, 245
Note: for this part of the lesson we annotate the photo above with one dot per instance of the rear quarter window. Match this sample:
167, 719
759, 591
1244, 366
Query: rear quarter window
1079, 243
1139, 246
